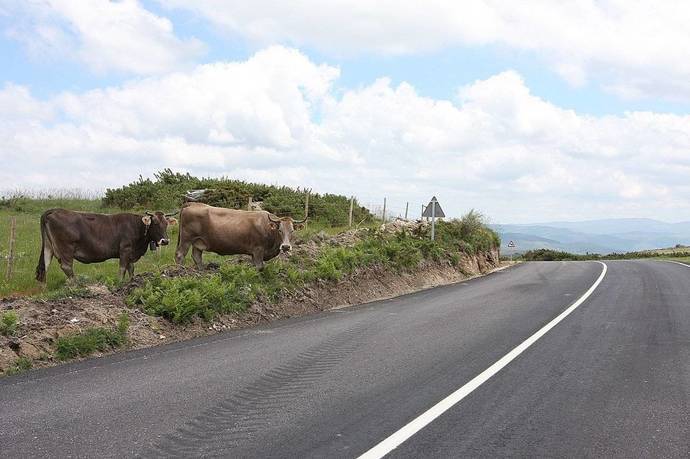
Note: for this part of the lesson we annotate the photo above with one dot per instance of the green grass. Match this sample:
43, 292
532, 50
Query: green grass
28, 248
236, 286
94, 339
8, 323
20, 365
556, 255
467, 235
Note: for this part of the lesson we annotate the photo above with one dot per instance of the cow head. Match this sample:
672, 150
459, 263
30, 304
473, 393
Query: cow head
157, 228
285, 227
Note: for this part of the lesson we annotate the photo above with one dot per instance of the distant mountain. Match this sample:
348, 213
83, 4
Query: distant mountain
622, 225
595, 236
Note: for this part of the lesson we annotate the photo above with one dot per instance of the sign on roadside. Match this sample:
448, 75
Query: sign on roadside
511, 245
433, 211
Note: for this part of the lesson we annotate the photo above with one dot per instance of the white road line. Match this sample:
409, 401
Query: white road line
678, 263
417, 424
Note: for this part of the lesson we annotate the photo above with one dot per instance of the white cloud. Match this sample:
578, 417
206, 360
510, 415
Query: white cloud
635, 49
106, 35
278, 118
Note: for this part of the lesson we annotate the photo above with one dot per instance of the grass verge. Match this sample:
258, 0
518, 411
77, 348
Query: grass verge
94, 339
235, 286
20, 365
8, 323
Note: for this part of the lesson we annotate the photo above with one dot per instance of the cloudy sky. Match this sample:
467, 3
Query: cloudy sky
529, 111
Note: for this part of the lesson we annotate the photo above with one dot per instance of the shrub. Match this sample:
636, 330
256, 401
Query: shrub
20, 365
549, 255
93, 339
468, 233
168, 188
180, 299
8, 323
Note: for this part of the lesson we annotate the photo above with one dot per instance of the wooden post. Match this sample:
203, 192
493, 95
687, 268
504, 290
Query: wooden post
349, 220
10, 253
249, 203
306, 207
421, 216
384, 211
407, 206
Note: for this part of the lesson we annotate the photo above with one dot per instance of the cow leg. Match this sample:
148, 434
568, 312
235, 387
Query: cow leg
66, 265
196, 255
258, 259
181, 252
130, 270
47, 256
124, 266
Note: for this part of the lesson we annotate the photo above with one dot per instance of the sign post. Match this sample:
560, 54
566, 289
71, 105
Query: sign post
511, 245
433, 210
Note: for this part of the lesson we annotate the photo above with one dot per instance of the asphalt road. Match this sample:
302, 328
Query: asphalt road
612, 379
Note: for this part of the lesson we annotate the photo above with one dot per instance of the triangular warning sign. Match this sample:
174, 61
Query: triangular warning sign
438, 212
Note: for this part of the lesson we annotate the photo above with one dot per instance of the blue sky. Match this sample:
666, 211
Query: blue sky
582, 102
437, 74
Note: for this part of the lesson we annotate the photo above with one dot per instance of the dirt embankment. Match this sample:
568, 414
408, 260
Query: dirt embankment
41, 323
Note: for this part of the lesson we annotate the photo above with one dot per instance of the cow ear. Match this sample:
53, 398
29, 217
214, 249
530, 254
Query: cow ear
146, 219
274, 226
299, 226
171, 221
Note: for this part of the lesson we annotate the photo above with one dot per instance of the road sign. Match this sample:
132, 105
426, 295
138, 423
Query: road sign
511, 245
433, 209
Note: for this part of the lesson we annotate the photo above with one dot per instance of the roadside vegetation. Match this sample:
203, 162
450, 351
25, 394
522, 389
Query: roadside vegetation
167, 189
236, 286
91, 340
20, 365
678, 253
8, 323
65, 320
327, 213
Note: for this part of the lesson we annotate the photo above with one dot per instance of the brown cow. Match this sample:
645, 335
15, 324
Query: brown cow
92, 238
232, 232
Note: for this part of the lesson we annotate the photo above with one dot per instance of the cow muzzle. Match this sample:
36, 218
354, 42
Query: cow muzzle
285, 248
163, 242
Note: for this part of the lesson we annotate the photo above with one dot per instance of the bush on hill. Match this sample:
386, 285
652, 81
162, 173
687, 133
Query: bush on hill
168, 188
551, 255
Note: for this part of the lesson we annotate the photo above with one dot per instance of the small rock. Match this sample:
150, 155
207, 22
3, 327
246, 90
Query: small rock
73, 320
161, 336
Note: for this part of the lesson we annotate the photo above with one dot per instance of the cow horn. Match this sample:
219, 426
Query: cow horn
172, 214
150, 214
270, 217
298, 222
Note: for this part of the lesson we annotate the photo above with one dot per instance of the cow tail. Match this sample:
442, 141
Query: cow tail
179, 226
41, 268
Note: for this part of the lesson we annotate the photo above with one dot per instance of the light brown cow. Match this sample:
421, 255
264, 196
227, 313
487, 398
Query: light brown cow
231, 232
